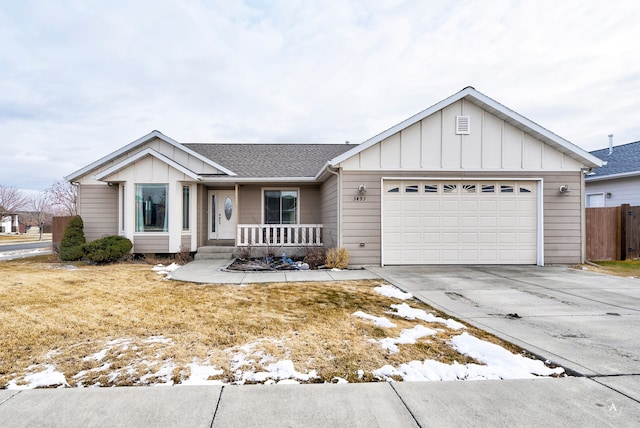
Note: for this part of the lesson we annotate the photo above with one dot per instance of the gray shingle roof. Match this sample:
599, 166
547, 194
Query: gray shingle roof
623, 159
271, 160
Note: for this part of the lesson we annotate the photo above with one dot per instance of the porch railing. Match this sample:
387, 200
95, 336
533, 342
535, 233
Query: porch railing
292, 235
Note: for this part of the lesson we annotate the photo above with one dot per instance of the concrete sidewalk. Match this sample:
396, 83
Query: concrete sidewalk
522, 403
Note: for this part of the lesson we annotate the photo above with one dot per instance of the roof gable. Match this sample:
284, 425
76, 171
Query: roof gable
144, 153
623, 161
138, 143
493, 107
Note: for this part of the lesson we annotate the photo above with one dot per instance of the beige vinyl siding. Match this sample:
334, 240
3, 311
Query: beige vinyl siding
250, 203
185, 241
361, 218
563, 220
329, 211
151, 244
98, 207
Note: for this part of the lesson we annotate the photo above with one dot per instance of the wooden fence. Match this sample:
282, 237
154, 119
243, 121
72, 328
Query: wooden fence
58, 227
613, 233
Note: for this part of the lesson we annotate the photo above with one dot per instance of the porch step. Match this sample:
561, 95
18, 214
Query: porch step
217, 252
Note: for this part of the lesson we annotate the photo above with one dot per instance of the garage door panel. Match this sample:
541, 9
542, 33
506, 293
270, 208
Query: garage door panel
430, 222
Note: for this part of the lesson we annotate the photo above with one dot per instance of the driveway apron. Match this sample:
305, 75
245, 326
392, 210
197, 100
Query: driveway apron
586, 322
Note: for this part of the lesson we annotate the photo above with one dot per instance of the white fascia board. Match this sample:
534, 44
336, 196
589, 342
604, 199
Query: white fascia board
612, 176
140, 141
485, 102
146, 152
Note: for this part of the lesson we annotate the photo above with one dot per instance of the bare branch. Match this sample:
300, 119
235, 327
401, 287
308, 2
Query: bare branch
40, 205
63, 197
11, 200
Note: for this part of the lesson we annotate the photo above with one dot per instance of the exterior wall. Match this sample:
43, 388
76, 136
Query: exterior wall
144, 171
329, 211
151, 244
431, 144
622, 190
562, 213
98, 207
250, 202
202, 215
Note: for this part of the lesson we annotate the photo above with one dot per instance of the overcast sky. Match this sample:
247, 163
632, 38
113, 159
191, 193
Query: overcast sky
80, 79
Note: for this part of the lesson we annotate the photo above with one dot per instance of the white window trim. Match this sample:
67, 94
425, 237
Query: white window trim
281, 189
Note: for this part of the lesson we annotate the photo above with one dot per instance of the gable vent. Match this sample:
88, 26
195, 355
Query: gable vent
463, 125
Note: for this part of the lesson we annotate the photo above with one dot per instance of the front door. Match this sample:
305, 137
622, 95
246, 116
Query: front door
222, 214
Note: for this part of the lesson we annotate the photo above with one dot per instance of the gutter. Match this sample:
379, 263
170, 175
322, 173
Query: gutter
612, 176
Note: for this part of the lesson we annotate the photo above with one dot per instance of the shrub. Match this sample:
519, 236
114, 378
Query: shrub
183, 256
314, 257
108, 249
337, 258
72, 240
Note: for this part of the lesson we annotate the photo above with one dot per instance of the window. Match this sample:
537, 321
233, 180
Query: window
469, 188
413, 188
506, 188
393, 190
488, 188
280, 206
430, 188
185, 207
151, 208
450, 188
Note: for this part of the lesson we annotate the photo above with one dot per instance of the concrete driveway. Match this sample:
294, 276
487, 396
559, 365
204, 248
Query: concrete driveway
586, 322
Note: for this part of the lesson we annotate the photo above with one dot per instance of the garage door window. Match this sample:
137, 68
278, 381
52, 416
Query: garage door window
450, 188
488, 188
430, 188
506, 188
468, 188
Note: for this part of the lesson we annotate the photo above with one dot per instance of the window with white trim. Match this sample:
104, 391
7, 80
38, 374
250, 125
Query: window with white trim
152, 214
280, 206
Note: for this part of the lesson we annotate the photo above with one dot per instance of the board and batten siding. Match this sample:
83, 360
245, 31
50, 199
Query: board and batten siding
562, 213
432, 144
172, 152
98, 207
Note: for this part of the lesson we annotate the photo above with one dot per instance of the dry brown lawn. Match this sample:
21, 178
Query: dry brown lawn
17, 239
123, 325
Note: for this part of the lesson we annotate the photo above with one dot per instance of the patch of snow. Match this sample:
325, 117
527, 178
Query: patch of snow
500, 364
48, 377
360, 374
405, 311
407, 337
391, 291
338, 379
158, 339
161, 269
492, 354
200, 375
283, 369
377, 321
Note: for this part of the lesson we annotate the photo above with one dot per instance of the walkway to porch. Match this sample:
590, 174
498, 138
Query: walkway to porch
211, 272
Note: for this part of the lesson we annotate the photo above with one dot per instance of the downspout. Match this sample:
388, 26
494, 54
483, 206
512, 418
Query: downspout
336, 172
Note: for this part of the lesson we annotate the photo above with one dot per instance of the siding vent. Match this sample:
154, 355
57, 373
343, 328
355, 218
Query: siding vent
463, 125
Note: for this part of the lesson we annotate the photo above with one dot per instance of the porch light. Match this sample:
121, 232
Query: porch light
362, 189
564, 189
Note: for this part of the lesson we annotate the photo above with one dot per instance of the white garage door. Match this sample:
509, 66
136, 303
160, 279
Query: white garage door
459, 222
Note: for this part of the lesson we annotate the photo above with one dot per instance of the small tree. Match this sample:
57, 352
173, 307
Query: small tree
73, 240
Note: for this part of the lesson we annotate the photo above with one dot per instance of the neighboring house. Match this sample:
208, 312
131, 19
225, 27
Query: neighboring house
466, 181
617, 181
10, 224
